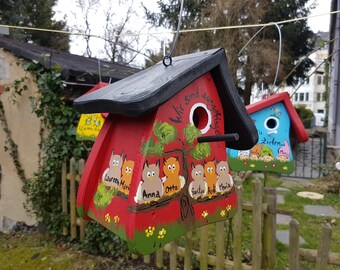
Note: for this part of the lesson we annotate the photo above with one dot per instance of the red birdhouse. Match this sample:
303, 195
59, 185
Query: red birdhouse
159, 167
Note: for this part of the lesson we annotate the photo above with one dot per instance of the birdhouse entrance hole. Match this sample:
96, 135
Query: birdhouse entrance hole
271, 123
200, 116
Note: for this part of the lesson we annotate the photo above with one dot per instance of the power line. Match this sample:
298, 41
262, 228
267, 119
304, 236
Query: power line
170, 32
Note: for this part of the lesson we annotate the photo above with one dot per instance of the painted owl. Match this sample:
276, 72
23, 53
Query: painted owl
125, 181
224, 180
151, 187
111, 176
198, 187
173, 182
210, 177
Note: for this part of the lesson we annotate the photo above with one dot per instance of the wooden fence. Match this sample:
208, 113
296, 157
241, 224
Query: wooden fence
263, 231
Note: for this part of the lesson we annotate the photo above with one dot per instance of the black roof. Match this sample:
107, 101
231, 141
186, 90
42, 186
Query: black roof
148, 89
75, 68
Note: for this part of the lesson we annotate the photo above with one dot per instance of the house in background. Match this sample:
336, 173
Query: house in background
79, 74
309, 92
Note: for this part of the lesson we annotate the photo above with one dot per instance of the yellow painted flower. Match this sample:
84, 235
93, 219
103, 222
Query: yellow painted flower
205, 214
116, 218
285, 168
161, 233
222, 213
228, 208
149, 231
252, 165
108, 218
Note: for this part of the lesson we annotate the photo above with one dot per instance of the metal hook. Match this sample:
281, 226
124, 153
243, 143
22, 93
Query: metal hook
167, 60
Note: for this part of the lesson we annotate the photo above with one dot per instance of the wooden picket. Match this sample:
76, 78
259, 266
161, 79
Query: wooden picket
263, 209
322, 257
68, 195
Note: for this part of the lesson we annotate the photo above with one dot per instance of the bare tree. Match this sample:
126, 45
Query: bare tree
87, 8
122, 41
115, 21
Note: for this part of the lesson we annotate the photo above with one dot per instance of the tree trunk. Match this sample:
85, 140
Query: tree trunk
247, 89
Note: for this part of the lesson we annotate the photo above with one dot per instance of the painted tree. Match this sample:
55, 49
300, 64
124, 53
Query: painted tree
165, 134
257, 62
38, 14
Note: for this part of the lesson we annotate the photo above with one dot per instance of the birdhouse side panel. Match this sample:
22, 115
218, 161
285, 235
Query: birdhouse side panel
184, 184
115, 167
273, 151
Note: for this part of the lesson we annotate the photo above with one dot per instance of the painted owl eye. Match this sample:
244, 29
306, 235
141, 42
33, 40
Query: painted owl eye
148, 174
196, 173
224, 168
127, 169
130, 170
153, 173
169, 167
173, 166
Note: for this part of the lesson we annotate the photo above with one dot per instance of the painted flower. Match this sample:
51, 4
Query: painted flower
161, 233
228, 208
149, 231
222, 213
205, 214
116, 219
245, 162
252, 165
285, 168
274, 165
108, 218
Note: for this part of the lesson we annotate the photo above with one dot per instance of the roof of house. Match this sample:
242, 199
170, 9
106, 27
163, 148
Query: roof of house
148, 89
75, 68
298, 129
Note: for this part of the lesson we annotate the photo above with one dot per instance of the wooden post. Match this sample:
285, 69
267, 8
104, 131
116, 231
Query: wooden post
237, 228
294, 245
173, 255
64, 193
257, 225
204, 248
146, 259
325, 243
134, 256
269, 230
81, 223
159, 258
187, 254
220, 239
73, 199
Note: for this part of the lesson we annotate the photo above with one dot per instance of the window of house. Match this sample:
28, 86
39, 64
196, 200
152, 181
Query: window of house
296, 97
306, 96
320, 111
307, 81
318, 96
319, 78
323, 97
301, 97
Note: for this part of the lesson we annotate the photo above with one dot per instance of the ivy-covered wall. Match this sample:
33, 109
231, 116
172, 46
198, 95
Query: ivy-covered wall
19, 138
46, 123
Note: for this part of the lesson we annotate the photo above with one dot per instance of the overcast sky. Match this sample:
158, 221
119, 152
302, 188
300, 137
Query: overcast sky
68, 8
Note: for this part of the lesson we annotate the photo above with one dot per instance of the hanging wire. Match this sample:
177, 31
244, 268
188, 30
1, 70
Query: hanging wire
303, 59
280, 46
130, 34
167, 60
